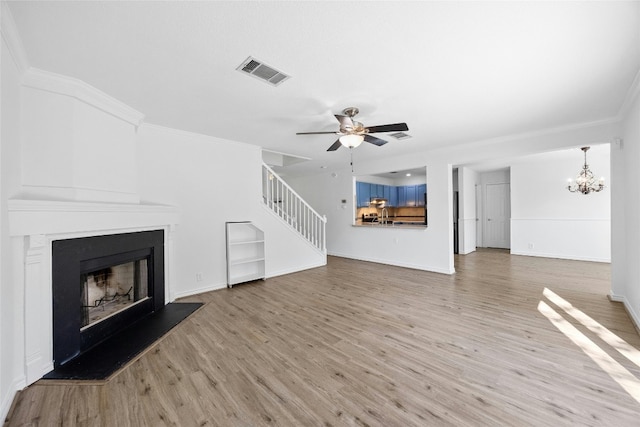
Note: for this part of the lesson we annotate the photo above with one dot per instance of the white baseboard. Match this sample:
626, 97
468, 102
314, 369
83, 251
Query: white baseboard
297, 269
635, 317
7, 399
396, 263
198, 291
558, 256
468, 252
219, 286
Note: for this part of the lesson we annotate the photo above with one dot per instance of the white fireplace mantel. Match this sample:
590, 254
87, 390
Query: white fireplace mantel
35, 224
30, 217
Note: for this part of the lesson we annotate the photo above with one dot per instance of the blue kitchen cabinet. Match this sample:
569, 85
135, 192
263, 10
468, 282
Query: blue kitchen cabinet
363, 194
420, 192
386, 189
377, 191
402, 196
393, 197
408, 195
411, 195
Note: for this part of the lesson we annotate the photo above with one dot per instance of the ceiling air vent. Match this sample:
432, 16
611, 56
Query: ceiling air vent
400, 135
261, 71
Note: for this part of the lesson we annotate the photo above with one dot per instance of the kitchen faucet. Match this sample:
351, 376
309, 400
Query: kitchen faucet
382, 214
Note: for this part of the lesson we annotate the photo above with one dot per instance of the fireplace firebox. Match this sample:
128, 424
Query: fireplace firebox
101, 285
106, 291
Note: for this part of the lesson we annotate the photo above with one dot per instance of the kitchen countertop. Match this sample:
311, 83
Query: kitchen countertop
392, 224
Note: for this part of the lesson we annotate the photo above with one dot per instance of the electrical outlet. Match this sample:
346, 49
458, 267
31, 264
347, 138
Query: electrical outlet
530, 245
198, 277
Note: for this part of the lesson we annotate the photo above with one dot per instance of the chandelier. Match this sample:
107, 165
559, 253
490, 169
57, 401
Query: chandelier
585, 183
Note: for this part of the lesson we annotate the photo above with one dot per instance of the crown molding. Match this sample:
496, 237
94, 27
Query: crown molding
632, 93
12, 38
541, 133
75, 88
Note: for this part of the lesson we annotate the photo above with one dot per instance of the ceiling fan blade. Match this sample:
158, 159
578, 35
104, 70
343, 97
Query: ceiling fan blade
396, 127
374, 140
345, 121
314, 133
335, 146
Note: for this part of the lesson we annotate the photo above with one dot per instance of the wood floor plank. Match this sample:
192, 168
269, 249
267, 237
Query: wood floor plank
358, 343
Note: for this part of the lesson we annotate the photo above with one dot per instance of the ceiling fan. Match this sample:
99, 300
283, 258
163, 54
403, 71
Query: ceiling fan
352, 133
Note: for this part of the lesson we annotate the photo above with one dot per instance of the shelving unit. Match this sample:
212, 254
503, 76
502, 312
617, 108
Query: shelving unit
245, 253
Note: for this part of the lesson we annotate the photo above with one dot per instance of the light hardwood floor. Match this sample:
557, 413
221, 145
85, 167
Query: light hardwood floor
358, 343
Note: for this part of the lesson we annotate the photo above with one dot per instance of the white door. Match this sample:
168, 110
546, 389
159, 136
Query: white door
497, 216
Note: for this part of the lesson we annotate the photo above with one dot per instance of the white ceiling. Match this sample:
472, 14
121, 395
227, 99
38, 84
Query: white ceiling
402, 174
455, 72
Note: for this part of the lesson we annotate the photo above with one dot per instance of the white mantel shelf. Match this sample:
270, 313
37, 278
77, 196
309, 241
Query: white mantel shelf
31, 217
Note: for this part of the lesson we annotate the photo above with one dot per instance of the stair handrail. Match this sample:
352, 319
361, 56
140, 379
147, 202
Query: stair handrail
275, 175
311, 226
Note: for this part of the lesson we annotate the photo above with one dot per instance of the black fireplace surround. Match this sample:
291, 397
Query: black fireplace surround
71, 258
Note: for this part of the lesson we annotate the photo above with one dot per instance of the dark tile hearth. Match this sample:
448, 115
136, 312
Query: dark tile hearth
104, 359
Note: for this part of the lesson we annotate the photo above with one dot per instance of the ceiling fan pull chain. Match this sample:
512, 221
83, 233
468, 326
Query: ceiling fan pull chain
351, 154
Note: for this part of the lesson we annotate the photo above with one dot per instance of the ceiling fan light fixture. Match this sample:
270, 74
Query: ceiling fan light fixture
353, 133
351, 141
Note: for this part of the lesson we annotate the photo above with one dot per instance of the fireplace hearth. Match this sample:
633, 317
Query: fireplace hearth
102, 285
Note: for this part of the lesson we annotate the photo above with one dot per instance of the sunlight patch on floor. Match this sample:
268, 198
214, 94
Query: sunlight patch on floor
605, 334
615, 370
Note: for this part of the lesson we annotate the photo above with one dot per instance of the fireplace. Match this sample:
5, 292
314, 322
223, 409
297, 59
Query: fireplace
101, 285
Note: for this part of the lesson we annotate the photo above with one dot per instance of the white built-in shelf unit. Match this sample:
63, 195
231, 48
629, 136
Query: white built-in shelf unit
245, 253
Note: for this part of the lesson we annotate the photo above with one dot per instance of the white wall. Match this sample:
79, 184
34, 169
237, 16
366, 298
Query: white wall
467, 181
212, 181
3, 231
400, 180
420, 248
11, 303
625, 205
415, 179
77, 142
547, 220
375, 179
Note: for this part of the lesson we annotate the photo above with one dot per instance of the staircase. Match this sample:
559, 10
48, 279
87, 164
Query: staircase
284, 202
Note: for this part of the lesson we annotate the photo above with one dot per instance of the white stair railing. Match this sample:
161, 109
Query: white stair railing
292, 209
